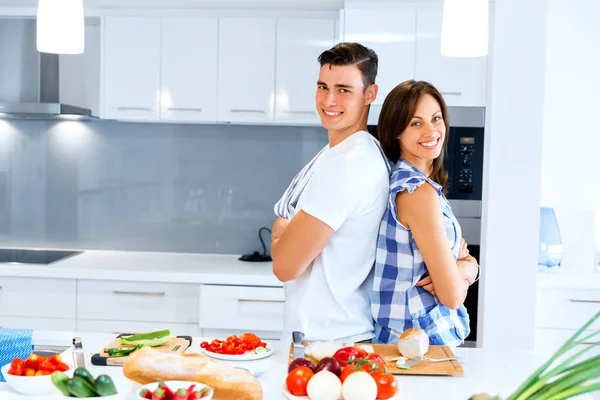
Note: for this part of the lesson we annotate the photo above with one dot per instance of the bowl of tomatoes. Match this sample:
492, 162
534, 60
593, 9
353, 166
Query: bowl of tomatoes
32, 375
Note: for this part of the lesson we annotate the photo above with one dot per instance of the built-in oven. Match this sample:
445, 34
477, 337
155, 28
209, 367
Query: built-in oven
464, 163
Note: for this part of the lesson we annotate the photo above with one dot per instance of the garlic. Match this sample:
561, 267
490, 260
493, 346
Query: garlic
414, 342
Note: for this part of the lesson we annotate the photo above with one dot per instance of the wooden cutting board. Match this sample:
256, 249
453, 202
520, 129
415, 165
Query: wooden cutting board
388, 351
177, 345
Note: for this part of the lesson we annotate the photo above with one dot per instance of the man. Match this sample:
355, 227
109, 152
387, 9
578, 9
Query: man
324, 241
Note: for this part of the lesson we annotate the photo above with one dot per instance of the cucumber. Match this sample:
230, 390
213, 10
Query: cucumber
260, 349
104, 385
84, 374
79, 387
151, 339
60, 380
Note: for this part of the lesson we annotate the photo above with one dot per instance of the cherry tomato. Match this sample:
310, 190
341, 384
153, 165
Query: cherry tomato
376, 357
17, 367
346, 355
55, 359
387, 386
297, 380
32, 361
30, 372
346, 371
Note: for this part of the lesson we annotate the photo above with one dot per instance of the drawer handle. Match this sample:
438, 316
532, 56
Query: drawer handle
300, 112
260, 301
155, 294
240, 110
184, 109
135, 109
585, 301
452, 93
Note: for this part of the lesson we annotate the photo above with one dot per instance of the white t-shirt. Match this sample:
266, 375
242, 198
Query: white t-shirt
348, 191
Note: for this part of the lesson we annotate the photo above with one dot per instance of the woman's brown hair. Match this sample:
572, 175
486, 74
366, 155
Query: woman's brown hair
396, 113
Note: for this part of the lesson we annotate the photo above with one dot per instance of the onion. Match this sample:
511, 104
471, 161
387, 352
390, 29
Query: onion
329, 364
414, 342
359, 386
324, 386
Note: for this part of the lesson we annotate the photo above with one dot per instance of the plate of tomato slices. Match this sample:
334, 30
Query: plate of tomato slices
245, 347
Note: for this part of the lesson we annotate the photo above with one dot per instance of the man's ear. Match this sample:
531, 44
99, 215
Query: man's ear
371, 93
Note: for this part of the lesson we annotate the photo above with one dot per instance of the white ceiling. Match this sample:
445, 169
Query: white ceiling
212, 4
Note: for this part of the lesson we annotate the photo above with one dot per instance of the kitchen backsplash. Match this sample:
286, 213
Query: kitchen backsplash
147, 187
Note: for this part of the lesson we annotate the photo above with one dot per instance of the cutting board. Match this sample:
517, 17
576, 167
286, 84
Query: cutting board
177, 345
388, 351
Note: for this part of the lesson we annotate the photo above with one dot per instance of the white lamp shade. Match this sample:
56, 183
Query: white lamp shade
60, 27
465, 28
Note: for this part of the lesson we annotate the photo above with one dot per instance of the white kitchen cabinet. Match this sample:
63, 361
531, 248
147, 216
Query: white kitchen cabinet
121, 327
37, 297
37, 323
131, 68
246, 70
299, 44
391, 34
558, 308
137, 301
189, 69
241, 308
462, 81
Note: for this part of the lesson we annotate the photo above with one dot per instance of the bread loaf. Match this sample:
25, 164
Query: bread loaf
229, 383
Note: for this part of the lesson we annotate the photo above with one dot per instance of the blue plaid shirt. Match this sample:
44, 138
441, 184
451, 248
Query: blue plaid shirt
396, 302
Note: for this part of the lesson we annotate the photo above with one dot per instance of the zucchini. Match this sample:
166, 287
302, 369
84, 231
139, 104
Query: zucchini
59, 379
148, 339
104, 386
79, 387
84, 374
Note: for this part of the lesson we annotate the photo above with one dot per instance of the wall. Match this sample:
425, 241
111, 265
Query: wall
151, 187
571, 140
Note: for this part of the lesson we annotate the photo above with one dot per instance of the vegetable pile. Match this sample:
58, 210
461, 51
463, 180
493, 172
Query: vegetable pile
163, 392
83, 384
236, 345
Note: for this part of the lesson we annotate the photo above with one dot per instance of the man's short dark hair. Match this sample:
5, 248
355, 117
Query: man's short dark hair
353, 54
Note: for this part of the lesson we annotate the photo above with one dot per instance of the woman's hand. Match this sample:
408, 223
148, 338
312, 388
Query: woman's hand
463, 251
427, 284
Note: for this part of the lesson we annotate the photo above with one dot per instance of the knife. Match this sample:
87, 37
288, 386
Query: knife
78, 359
409, 363
297, 338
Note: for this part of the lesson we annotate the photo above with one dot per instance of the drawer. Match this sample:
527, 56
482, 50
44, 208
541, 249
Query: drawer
137, 301
241, 307
119, 327
566, 308
550, 340
37, 297
42, 324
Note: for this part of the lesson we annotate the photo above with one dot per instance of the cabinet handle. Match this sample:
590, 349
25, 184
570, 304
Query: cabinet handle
300, 112
452, 93
135, 109
585, 301
121, 333
260, 301
239, 110
184, 109
156, 294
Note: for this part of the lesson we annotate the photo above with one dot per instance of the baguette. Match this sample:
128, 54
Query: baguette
147, 365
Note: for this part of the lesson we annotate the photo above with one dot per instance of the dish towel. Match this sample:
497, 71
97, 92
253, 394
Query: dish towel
14, 343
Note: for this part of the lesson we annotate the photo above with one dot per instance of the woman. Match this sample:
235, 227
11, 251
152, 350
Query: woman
422, 268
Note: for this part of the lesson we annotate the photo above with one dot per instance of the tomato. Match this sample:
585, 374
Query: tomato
62, 367
47, 366
346, 355
297, 380
251, 339
360, 353
17, 367
346, 371
55, 359
29, 372
32, 361
377, 358
387, 386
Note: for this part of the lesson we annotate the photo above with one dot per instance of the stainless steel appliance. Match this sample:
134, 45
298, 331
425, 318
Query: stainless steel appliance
34, 256
464, 164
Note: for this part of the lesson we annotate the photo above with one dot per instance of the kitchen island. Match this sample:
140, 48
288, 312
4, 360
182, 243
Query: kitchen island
498, 370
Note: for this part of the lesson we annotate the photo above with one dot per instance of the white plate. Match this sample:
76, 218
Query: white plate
290, 396
249, 356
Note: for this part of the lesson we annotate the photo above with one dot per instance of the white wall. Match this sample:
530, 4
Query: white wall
571, 142
511, 197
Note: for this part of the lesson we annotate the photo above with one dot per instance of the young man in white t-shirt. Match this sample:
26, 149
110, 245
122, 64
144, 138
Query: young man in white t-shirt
324, 242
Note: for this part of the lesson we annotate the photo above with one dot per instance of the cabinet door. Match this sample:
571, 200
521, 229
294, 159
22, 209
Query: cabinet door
462, 81
246, 69
131, 78
392, 36
189, 69
299, 43
37, 297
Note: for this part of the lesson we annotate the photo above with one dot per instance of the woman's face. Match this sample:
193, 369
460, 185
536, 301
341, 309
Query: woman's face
422, 140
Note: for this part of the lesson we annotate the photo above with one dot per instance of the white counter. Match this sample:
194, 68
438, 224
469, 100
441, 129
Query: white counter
486, 370
151, 267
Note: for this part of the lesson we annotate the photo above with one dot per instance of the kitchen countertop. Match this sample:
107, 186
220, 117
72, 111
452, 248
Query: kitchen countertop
486, 370
151, 267
566, 278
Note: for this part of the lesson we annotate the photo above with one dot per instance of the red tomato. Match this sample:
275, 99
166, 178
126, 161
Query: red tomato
297, 380
346, 371
251, 339
346, 355
55, 359
29, 372
32, 361
376, 357
360, 353
47, 366
62, 367
387, 386
17, 367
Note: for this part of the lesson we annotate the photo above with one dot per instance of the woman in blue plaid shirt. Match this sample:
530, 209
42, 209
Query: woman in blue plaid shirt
422, 268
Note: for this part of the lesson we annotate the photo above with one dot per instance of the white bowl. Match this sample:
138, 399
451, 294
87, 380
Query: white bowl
32, 385
174, 386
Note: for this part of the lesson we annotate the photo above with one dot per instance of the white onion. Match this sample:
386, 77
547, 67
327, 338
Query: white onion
324, 385
359, 386
414, 342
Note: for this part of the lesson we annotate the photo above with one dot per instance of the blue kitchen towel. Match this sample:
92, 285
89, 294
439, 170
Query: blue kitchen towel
14, 343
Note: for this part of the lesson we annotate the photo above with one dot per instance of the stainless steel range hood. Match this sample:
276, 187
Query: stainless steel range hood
29, 80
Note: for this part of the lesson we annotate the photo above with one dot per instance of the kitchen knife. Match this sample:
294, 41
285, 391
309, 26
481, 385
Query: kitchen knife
409, 363
297, 338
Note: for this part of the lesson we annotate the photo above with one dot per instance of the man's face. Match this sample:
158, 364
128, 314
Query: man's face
341, 100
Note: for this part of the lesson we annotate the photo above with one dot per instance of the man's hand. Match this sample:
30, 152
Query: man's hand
279, 226
463, 251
